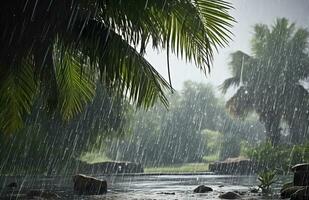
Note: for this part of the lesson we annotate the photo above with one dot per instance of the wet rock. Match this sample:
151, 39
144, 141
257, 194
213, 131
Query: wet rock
287, 193
42, 194
239, 192
220, 186
286, 185
88, 185
254, 190
302, 194
301, 174
202, 189
230, 195
238, 165
167, 193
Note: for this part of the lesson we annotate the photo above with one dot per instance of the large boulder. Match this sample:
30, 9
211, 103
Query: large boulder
301, 174
237, 165
202, 189
88, 185
287, 192
302, 194
230, 195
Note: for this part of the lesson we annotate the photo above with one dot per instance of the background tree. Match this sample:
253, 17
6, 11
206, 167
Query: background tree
269, 80
55, 50
191, 130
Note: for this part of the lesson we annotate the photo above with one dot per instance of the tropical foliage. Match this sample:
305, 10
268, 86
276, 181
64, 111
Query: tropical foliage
193, 129
268, 81
56, 50
50, 146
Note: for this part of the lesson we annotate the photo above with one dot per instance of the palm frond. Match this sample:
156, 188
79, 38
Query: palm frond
241, 103
190, 30
75, 83
17, 93
228, 83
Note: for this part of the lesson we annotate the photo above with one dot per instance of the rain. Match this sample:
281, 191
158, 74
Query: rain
154, 99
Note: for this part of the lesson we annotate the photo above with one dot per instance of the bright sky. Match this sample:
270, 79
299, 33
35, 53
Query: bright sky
247, 13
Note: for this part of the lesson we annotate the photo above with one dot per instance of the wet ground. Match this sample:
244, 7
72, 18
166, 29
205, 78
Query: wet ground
152, 187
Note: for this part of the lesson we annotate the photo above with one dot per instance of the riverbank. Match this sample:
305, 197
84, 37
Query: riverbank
180, 168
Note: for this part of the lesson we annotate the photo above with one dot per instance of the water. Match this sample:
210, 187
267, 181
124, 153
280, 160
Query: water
153, 187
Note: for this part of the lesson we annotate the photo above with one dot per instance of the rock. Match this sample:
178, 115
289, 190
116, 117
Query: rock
202, 189
238, 165
286, 185
301, 174
167, 193
88, 185
239, 192
301, 167
254, 190
220, 186
230, 195
42, 194
302, 194
287, 193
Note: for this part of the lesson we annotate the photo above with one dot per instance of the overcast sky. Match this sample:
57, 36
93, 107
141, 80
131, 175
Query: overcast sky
247, 13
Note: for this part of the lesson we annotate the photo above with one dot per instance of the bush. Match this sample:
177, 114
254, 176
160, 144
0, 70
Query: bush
279, 158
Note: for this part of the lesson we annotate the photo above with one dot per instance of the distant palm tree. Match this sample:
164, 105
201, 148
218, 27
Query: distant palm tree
58, 49
269, 80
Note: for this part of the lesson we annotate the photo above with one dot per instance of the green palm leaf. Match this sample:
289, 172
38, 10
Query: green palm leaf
17, 93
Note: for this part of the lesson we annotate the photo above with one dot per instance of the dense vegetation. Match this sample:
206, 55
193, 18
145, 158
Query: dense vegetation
269, 80
57, 50
195, 128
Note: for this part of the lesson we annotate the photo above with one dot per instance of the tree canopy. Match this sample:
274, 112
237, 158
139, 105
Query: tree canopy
269, 80
56, 50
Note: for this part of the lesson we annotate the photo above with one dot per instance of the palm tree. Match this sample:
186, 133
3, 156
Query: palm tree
268, 81
58, 49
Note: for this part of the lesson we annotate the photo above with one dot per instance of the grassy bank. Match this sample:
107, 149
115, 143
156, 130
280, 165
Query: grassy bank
189, 167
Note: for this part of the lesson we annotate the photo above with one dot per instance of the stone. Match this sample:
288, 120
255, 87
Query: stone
238, 165
230, 195
301, 174
286, 185
89, 185
301, 167
287, 193
167, 193
302, 194
202, 189
254, 190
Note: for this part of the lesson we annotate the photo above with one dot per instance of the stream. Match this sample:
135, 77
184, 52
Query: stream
149, 187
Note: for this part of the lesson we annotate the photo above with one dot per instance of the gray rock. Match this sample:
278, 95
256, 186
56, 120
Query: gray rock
286, 185
88, 185
302, 194
254, 190
202, 189
287, 193
230, 195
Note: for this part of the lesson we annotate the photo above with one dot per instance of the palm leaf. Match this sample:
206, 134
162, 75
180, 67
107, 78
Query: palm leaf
76, 87
17, 93
241, 103
228, 83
